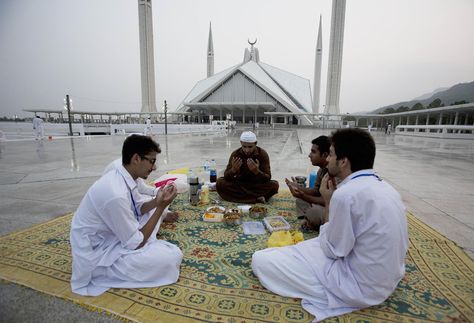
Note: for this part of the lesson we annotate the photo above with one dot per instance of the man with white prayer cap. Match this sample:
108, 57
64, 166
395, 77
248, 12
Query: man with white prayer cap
247, 177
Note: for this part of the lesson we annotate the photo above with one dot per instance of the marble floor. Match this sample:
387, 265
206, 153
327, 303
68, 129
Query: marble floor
41, 180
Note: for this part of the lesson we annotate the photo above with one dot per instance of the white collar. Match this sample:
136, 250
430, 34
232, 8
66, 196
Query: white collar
355, 174
131, 183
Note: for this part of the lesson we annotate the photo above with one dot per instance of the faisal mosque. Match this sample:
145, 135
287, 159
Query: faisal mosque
251, 90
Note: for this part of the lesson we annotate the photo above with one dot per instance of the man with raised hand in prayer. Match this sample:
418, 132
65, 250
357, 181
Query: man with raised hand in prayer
309, 202
359, 257
143, 188
247, 177
113, 232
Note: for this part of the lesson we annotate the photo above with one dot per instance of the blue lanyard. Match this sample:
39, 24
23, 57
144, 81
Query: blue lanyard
364, 175
133, 201
134, 206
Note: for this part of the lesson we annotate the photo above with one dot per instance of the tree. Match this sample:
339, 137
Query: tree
435, 104
459, 102
417, 106
388, 110
402, 109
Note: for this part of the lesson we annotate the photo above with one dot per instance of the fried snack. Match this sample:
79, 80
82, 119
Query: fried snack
276, 223
258, 209
215, 209
232, 216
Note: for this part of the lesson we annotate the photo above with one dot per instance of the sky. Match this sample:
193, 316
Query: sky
394, 50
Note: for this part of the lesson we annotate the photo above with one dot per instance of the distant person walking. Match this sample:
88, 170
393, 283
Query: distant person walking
148, 129
38, 127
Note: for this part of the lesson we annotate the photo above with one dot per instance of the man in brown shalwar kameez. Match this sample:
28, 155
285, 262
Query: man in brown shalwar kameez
247, 178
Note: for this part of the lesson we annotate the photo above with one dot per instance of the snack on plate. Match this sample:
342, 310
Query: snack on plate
276, 223
232, 211
212, 217
258, 208
232, 217
216, 209
258, 211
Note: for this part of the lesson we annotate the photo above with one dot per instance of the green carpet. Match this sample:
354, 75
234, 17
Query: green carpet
217, 283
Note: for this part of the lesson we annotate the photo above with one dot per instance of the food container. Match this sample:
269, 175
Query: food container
232, 217
258, 211
276, 223
212, 217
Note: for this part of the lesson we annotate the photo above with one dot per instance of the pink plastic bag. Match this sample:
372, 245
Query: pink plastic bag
161, 183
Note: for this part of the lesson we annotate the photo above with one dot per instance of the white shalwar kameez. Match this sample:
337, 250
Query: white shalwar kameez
358, 258
105, 233
38, 126
148, 129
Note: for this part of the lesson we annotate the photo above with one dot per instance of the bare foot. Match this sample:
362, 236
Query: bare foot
308, 226
172, 216
261, 199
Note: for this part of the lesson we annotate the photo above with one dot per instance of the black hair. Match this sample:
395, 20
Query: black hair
138, 144
323, 144
356, 145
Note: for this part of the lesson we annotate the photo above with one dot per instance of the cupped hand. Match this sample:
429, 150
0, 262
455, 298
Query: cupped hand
327, 188
236, 164
166, 195
253, 165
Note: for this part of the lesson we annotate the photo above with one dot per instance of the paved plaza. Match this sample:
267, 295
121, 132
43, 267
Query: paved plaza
42, 180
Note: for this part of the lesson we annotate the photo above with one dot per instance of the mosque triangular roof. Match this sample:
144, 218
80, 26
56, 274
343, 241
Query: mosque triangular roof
291, 91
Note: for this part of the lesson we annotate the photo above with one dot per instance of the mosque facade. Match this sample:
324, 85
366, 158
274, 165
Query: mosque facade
244, 92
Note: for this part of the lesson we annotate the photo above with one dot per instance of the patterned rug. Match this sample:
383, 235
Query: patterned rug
217, 283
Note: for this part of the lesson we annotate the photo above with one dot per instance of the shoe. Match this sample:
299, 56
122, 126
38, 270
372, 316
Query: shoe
261, 199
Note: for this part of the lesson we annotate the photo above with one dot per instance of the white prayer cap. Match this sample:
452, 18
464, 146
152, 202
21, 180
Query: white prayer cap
248, 136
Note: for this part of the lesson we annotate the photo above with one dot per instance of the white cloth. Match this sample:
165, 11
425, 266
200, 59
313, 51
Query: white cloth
148, 129
105, 233
248, 136
143, 187
358, 258
39, 127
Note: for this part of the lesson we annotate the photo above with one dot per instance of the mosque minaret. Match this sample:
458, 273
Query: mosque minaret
333, 86
317, 70
210, 54
145, 21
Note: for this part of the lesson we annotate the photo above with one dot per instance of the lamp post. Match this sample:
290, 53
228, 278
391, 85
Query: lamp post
324, 116
165, 107
68, 108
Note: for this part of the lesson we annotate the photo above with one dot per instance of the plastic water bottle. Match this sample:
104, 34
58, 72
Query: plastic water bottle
213, 171
312, 178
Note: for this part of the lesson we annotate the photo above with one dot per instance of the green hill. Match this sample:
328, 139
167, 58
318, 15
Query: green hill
457, 93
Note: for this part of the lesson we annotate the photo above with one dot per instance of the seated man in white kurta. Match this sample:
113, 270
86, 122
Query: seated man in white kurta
143, 188
113, 232
359, 257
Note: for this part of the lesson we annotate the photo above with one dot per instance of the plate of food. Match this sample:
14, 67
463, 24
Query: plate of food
258, 211
276, 223
213, 217
232, 217
216, 209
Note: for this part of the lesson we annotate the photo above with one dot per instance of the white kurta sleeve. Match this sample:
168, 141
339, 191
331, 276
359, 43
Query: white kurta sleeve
118, 216
337, 236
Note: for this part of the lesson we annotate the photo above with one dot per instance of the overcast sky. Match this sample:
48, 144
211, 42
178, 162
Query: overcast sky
394, 50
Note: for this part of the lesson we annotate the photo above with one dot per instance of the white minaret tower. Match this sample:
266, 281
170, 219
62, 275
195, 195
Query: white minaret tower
210, 54
333, 86
317, 70
145, 21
